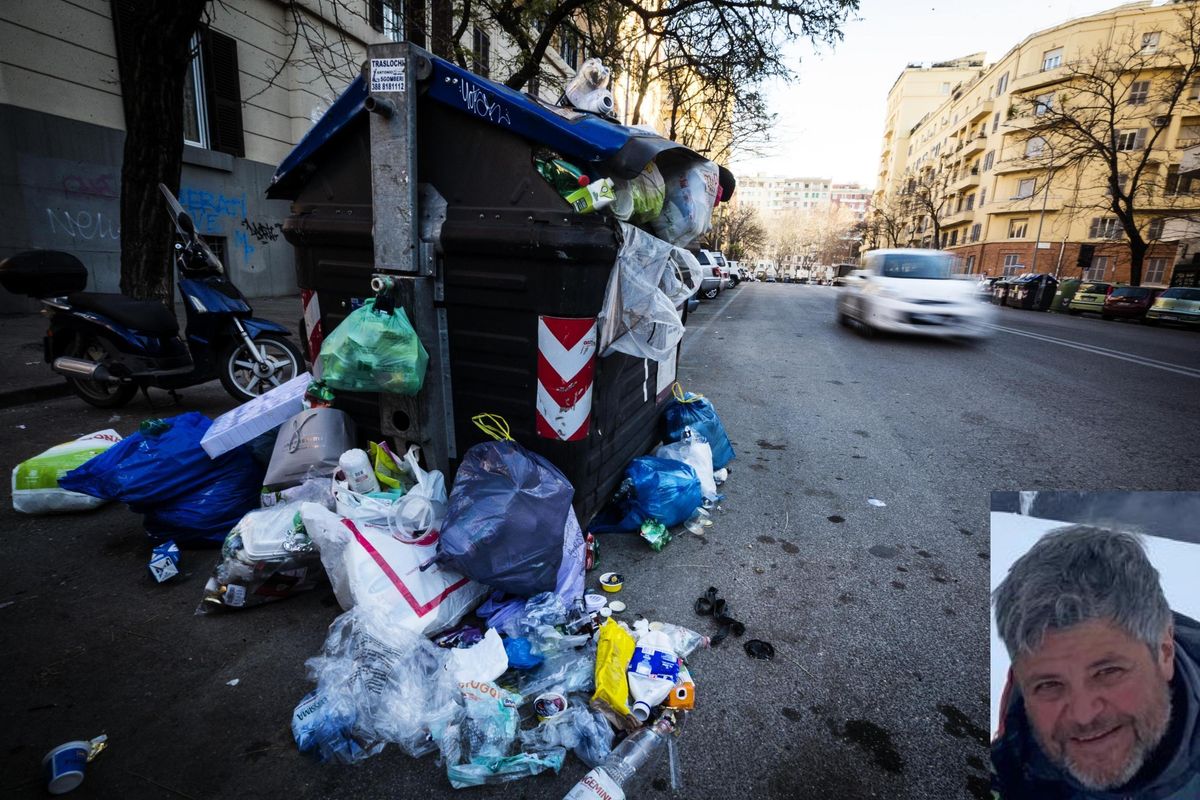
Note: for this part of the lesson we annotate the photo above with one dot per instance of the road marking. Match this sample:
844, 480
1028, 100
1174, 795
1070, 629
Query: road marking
1104, 351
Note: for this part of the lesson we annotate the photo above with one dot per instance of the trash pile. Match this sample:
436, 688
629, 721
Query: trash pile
468, 630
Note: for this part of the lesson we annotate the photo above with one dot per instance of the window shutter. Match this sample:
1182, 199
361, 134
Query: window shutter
1094, 231
375, 14
222, 82
1139, 141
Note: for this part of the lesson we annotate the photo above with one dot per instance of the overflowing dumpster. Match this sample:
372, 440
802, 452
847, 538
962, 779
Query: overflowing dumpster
426, 184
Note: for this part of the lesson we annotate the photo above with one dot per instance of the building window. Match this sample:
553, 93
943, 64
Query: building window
1194, 91
970, 264
1043, 103
1103, 228
1154, 231
1139, 93
975, 231
212, 97
1130, 139
995, 121
1034, 147
387, 17
970, 202
1025, 188
1156, 270
1016, 228
1121, 179
1189, 131
987, 160
569, 47
1150, 42
982, 196
481, 53
1002, 84
945, 238
945, 88
1097, 270
953, 238
1012, 265
1052, 59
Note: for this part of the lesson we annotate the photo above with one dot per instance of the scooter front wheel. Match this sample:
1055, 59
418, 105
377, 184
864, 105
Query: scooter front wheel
101, 394
245, 378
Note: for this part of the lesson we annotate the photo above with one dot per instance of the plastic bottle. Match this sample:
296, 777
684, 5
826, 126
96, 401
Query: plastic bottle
610, 779
357, 469
653, 672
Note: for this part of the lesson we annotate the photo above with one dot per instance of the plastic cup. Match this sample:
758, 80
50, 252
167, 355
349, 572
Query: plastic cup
622, 207
64, 766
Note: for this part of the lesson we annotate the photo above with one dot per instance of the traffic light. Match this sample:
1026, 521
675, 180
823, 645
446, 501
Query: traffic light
1086, 252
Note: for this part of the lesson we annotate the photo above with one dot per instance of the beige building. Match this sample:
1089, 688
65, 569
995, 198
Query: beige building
1006, 211
852, 197
770, 195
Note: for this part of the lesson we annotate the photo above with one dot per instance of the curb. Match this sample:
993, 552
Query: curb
34, 394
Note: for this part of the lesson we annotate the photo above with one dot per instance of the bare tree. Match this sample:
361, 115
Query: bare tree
737, 232
927, 199
887, 222
1110, 118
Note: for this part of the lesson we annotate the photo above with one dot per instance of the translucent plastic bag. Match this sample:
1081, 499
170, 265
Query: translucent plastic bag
694, 411
374, 351
35, 488
641, 199
579, 728
639, 318
507, 516
409, 517
691, 193
694, 451
377, 683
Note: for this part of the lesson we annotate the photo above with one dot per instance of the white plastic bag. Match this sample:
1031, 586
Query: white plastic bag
408, 517
695, 451
588, 90
35, 488
368, 566
638, 318
687, 209
485, 660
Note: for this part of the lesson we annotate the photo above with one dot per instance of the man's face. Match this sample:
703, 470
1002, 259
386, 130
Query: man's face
1098, 700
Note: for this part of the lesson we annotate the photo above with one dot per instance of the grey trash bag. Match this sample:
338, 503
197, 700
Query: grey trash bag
638, 317
309, 445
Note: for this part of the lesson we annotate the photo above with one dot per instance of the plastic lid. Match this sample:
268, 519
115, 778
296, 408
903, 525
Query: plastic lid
641, 711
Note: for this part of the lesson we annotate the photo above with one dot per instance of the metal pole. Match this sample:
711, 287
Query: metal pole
1041, 218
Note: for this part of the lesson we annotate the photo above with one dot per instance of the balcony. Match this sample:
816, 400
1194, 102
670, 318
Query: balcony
1024, 205
980, 111
1039, 79
976, 144
958, 218
1018, 164
966, 181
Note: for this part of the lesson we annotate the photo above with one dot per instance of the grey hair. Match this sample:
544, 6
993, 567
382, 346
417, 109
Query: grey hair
1076, 574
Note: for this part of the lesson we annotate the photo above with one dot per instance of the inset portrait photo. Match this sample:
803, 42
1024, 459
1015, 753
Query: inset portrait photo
1095, 645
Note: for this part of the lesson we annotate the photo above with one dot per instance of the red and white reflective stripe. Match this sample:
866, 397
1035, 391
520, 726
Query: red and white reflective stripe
566, 370
312, 326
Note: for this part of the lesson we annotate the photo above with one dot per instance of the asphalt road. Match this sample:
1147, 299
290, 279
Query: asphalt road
878, 613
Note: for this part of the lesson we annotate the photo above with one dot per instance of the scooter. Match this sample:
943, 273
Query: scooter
109, 346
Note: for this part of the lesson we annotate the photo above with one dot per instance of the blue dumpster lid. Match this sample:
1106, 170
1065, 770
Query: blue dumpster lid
587, 139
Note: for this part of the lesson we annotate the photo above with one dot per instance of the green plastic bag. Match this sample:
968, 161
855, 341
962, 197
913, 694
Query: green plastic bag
374, 352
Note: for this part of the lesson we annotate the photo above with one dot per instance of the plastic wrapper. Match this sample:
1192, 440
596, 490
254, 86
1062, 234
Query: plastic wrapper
411, 516
267, 556
309, 445
641, 199
579, 728
507, 518
694, 451
165, 474
368, 566
389, 468
654, 489
374, 352
691, 193
562, 671
313, 490
485, 660
614, 649
638, 317
478, 746
35, 488
694, 411
377, 683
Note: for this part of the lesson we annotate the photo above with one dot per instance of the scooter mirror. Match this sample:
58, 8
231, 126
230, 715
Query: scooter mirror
186, 225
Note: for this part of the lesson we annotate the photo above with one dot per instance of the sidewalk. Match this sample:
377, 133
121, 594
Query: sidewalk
25, 377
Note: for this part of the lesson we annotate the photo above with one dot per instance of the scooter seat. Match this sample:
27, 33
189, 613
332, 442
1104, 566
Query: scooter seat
144, 316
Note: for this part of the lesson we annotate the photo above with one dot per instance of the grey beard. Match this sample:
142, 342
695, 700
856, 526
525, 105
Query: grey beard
1142, 749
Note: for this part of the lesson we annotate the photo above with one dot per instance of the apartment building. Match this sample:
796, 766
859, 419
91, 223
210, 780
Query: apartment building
1006, 209
771, 195
851, 197
61, 144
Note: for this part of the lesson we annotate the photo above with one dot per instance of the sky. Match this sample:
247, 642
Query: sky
831, 117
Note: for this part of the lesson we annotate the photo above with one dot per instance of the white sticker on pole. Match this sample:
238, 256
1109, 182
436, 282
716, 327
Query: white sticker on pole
387, 75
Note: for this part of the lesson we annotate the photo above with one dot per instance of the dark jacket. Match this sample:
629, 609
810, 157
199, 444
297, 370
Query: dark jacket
1022, 771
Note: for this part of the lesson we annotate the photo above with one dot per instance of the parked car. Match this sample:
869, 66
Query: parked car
912, 291
1089, 297
1129, 302
711, 282
840, 273
1179, 304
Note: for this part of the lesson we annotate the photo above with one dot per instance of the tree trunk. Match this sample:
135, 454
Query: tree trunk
1137, 255
152, 76
442, 29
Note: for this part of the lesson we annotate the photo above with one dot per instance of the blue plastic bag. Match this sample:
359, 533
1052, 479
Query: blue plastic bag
655, 488
506, 520
696, 412
167, 476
